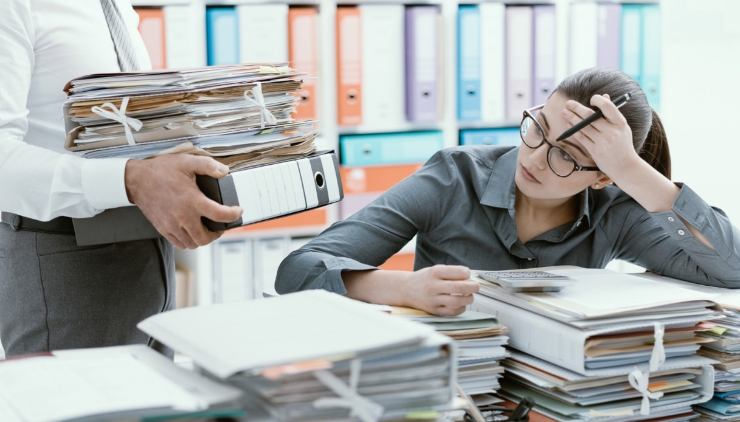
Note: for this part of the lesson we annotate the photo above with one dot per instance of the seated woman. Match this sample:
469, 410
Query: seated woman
601, 194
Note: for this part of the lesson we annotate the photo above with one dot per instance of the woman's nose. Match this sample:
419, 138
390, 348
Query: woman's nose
539, 156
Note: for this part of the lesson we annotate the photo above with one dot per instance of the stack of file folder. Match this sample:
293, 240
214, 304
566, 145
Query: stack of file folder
315, 356
109, 384
723, 348
241, 115
725, 405
480, 341
610, 346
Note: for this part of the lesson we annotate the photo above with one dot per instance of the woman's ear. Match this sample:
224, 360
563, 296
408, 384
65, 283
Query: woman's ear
602, 182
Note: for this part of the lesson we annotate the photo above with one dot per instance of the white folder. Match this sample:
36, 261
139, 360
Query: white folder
297, 327
519, 38
268, 254
233, 271
545, 35
583, 36
383, 99
563, 344
727, 298
493, 59
185, 48
298, 242
600, 297
263, 33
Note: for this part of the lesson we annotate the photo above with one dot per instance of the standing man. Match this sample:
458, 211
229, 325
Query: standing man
54, 294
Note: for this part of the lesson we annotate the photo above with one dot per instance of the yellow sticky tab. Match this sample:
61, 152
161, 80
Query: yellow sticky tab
423, 415
268, 69
718, 330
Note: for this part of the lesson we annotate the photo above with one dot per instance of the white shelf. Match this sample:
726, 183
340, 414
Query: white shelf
416, 127
254, 2
410, 127
160, 3
487, 125
448, 124
510, 2
414, 2
618, 1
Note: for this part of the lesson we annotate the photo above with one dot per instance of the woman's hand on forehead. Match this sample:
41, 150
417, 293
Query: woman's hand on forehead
608, 140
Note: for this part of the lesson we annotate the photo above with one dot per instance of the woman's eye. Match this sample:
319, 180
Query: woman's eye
565, 156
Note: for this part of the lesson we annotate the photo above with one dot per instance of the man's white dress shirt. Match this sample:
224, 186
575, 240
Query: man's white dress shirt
44, 44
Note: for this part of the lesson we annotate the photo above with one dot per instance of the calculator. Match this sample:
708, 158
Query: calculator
527, 281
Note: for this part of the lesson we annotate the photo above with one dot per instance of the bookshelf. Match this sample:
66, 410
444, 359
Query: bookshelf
203, 262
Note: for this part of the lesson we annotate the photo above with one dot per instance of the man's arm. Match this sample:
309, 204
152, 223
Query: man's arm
42, 184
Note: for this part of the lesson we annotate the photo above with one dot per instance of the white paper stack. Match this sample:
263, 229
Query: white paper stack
114, 383
314, 355
480, 341
610, 346
236, 113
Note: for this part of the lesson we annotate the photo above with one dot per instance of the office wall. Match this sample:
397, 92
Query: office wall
701, 93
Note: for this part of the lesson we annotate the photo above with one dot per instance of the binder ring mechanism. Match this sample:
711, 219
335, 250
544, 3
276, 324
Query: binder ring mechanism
110, 111
255, 98
364, 409
640, 381
320, 180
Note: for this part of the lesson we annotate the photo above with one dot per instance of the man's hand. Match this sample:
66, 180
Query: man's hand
164, 189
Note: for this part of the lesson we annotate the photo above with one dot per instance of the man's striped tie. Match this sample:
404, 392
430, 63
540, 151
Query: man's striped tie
120, 36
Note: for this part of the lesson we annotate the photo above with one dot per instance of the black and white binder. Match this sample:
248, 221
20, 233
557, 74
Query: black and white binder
264, 192
277, 189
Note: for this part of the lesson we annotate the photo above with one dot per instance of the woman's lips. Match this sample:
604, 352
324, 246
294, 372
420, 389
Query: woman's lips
529, 176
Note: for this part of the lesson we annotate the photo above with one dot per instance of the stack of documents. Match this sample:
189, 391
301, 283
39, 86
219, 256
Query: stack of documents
240, 115
115, 383
725, 405
724, 348
315, 355
480, 341
610, 345
567, 395
237, 114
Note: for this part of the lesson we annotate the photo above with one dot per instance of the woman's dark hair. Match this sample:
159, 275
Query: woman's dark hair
648, 136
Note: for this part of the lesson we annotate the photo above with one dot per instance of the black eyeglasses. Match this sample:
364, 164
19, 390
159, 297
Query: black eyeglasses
560, 161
